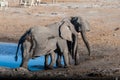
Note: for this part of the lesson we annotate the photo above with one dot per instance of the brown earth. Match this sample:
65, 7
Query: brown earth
104, 37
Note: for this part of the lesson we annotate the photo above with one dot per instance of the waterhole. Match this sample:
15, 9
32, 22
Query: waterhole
7, 58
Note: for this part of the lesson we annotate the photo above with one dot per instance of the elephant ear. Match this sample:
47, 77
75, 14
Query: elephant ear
65, 32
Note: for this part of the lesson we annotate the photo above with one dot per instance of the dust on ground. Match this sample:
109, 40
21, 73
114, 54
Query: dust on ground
104, 37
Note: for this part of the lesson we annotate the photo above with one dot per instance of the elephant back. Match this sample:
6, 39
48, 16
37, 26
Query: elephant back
45, 40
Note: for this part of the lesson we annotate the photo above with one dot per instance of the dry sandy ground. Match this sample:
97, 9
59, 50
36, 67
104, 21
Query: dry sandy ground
104, 37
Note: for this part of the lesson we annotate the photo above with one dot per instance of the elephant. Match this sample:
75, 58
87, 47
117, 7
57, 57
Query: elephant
39, 41
60, 50
66, 30
80, 26
76, 25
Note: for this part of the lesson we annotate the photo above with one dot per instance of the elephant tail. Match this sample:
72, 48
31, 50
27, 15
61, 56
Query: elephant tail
19, 43
16, 54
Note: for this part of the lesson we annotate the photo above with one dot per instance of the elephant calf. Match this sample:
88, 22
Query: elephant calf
61, 49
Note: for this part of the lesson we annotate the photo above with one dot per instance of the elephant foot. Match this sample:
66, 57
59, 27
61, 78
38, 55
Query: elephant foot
59, 65
66, 66
45, 66
77, 63
16, 69
49, 67
21, 69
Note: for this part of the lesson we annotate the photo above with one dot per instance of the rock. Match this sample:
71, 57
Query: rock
116, 29
114, 34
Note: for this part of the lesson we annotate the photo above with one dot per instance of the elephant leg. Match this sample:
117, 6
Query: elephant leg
46, 61
25, 61
25, 54
58, 61
66, 59
62, 50
70, 59
53, 58
50, 66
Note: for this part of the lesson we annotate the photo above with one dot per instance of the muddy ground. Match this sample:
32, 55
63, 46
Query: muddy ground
104, 37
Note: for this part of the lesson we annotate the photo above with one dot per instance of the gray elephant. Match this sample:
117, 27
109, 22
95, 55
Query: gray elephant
61, 49
73, 26
39, 41
80, 26
76, 25
68, 30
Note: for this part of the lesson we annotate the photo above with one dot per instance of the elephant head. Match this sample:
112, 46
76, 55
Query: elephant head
69, 30
81, 26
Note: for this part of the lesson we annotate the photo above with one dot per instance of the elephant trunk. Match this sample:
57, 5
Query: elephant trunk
86, 41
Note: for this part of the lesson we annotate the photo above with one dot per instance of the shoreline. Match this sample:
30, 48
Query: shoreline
8, 40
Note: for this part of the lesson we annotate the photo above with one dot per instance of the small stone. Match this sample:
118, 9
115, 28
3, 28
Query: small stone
116, 29
114, 34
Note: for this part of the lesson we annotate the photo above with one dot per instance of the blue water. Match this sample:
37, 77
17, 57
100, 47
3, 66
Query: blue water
7, 54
